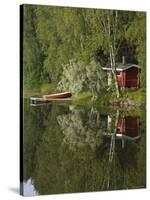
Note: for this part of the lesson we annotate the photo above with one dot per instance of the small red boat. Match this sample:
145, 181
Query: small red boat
57, 95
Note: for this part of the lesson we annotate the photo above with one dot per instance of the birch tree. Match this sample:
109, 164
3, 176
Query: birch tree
108, 21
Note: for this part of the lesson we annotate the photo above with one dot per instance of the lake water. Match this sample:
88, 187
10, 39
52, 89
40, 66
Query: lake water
73, 149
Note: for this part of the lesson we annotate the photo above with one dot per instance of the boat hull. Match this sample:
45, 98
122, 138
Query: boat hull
57, 96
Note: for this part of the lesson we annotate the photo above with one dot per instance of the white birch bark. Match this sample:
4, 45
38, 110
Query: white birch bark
110, 33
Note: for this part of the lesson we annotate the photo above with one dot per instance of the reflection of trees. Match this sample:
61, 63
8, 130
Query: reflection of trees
34, 126
123, 162
82, 128
71, 155
120, 172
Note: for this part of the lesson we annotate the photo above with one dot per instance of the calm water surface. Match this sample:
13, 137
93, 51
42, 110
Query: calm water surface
69, 149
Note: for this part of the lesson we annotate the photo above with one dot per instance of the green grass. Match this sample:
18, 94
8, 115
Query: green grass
104, 99
82, 99
88, 99
45, 88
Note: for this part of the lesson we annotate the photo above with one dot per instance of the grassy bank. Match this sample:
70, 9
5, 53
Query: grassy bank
128, 99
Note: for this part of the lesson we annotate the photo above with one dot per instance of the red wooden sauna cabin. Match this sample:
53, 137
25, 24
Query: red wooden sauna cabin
128, 76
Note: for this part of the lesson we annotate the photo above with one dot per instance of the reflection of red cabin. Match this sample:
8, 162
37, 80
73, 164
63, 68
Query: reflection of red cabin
127, 75
129, 126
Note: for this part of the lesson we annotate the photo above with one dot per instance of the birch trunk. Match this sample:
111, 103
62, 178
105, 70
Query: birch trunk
112, 49
109, 24
113, 64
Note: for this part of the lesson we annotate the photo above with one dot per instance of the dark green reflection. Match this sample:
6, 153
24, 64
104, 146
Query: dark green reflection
67, 149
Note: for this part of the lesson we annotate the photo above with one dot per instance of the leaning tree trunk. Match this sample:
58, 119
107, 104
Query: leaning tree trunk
113, 68
109, 24
112, 33
116, 84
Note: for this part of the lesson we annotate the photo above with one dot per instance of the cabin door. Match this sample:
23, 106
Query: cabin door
131, 77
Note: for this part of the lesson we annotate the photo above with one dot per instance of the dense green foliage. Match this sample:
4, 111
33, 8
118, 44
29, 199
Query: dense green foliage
78, 77
55, 35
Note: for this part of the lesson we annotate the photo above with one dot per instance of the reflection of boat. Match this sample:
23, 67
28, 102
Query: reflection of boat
57, 95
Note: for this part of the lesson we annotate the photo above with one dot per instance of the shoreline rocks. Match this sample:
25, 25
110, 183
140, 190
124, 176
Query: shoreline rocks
124, 103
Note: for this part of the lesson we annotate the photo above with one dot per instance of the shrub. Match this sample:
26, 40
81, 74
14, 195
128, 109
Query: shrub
78, 77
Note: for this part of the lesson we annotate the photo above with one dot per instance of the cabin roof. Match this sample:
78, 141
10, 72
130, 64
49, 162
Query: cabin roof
121, 67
